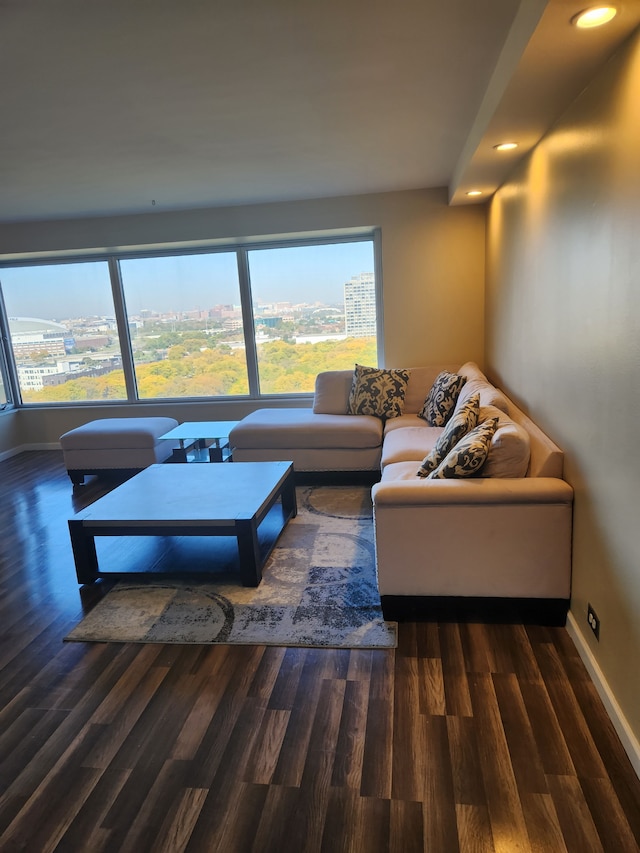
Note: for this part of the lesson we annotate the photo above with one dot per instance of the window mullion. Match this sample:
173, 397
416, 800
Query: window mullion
248, 324
377, 261
124, 336
10, 376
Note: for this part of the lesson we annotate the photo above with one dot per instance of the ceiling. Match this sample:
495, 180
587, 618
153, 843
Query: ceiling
132, 106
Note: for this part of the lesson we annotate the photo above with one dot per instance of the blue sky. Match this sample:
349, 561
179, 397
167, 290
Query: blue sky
295, 274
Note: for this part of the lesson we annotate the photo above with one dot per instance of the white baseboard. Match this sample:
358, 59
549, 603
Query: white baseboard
8, 454
23, 448
620, 724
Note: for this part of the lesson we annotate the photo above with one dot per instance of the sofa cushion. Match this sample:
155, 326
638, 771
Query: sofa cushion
478, 382
402, 470
402, 422
441, 399
489, 394
468, 456
411, 443
332, 392
376, 391
510, 447
462, 421
301, 428
470, 370
115, 433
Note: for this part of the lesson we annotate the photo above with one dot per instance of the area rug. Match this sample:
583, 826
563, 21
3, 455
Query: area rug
318, 589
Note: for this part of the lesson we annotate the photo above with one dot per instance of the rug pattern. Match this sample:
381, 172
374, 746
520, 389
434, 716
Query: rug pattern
318, 589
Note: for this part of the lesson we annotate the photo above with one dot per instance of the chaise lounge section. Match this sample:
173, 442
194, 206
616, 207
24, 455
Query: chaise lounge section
313, 441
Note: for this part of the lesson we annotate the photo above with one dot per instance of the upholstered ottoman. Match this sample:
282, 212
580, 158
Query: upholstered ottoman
122, 445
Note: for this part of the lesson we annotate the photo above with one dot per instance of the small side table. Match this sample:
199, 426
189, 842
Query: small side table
194, 438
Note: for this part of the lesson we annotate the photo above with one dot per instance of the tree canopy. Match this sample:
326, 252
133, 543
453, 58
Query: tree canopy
196, 368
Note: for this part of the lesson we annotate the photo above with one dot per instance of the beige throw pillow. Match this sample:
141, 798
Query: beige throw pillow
468, 455
379, 392
441, 399
459, 425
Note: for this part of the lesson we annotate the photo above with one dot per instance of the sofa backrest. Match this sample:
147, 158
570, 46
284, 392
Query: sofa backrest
332, 392
546, 458
478, 383
333, 386
420, 381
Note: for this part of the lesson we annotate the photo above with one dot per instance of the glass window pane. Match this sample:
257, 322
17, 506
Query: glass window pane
63, 332
185, 324
314, 309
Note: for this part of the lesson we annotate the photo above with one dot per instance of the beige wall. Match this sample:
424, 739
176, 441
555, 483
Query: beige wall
563, 337
432, 261
9, 430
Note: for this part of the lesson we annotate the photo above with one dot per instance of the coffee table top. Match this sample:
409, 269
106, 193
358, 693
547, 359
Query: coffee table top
189, 495
200, 429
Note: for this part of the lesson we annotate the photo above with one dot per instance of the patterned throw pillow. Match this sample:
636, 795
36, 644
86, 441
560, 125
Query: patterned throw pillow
459, 424
378, 392
441, 399
469, 454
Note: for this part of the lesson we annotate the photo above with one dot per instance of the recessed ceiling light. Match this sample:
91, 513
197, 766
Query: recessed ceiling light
596, 16
474, 192
506, 146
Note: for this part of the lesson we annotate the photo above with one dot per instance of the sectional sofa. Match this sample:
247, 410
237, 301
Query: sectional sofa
493, 547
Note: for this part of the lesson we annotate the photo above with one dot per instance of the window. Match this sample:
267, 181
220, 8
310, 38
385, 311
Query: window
304, 315
244, 321
62, 327
185, 325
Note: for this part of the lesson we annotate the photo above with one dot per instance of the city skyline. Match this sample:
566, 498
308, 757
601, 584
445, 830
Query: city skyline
150, 314
291, 274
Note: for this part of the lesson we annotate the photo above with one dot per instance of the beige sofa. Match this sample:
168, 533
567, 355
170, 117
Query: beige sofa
493, 547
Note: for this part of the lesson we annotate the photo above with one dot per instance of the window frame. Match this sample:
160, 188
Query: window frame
8, 371
241, 248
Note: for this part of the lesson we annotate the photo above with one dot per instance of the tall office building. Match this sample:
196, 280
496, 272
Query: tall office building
360, 306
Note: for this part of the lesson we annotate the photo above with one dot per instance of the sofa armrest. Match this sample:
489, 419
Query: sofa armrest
493, 538
471, 492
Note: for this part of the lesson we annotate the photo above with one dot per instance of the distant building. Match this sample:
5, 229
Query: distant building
360, 306
32, 335
232, 324
91, 342
269, 322
221, 312
35, 378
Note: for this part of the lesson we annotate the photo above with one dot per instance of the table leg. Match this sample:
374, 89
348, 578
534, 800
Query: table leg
179, 454
215, 451
289, 502
249, 552
84, 552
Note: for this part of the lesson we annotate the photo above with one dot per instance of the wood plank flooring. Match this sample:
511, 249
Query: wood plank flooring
470, 738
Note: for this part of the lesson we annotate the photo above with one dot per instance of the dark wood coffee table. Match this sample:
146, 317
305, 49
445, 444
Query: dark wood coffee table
189, 500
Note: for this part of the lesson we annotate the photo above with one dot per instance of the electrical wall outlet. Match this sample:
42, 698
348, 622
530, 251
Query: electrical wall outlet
594, 622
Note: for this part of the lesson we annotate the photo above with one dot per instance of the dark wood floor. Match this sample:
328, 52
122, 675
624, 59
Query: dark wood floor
467, 738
